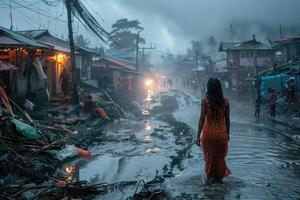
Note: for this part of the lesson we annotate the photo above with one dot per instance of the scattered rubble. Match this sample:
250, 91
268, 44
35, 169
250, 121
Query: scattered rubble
33, 149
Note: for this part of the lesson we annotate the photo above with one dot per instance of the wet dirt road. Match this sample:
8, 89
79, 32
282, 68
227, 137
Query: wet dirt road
264, 164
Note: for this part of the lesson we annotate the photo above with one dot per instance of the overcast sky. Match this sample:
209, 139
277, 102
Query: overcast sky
170, 24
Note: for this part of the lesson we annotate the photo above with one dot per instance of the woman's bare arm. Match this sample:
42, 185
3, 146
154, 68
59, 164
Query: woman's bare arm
227, 120
201, 121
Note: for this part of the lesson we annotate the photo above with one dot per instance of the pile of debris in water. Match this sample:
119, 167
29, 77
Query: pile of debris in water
34, 146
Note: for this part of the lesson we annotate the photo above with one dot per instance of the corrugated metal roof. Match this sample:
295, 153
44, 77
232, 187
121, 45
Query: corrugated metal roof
86, 50
122, 54
5, 40
58, 44
117, 63
248, 45
21, 39
34, 33
44, 36
287, 41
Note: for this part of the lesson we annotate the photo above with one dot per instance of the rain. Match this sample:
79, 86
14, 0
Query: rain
137, 99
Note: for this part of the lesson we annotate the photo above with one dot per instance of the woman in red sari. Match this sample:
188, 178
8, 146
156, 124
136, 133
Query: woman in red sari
213, 130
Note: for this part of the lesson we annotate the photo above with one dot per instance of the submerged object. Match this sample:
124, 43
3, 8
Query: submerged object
84, 153
102, 113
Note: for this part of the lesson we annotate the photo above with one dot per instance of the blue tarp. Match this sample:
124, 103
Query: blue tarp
277, 82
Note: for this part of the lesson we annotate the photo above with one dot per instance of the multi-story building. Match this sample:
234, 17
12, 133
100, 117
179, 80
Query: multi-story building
245, 60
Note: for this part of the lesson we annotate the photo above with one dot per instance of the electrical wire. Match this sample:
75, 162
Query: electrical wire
91, 7
28, 19
88, 20
36, 11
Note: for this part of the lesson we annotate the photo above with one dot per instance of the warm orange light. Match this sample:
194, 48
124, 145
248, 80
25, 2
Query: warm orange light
60, 58
149, 82
70, 169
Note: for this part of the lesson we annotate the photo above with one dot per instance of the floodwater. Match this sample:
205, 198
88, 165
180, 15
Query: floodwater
264, 163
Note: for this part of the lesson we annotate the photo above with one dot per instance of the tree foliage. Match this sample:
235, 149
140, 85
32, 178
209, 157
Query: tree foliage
80, 40
124, 34
212, 41
196, 46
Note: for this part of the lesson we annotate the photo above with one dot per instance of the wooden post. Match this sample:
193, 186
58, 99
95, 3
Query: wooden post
30, 58
137, 51
72, 53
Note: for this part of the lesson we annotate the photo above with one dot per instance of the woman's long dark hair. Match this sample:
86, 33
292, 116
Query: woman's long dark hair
214, 96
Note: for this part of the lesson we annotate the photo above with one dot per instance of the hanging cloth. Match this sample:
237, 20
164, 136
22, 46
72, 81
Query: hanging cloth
39, 69
5, 101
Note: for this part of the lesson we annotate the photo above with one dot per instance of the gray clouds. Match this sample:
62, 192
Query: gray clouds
171, 24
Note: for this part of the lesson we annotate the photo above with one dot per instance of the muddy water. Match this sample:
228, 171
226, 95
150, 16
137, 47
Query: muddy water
264, 164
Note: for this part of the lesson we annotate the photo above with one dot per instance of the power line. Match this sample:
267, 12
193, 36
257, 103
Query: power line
91, 7
86, 18
28, 19
41, 13
38, 8
11, 17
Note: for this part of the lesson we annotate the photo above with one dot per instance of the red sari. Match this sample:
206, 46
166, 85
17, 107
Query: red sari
214, 142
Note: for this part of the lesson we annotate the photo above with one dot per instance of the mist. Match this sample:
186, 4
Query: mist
171, 25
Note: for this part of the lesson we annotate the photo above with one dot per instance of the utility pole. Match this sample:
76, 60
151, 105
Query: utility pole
280, 31
72, 53
231, 32
10, 16
137, 51
197, 64
255, 55
146, 48
197, 57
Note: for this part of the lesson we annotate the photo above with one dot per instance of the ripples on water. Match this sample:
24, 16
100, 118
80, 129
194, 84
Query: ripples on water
265, 161
264, 164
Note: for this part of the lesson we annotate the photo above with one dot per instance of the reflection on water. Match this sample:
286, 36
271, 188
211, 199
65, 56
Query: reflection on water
70, 169
264, 165
148, 138
70, 172
148, 127
153, 150
145, 112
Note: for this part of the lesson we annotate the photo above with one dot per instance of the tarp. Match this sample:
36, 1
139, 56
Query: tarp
277, 82
25, 129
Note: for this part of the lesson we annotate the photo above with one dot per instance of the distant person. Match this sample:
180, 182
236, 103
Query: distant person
64, 82
170, 83
272, 102
257, 103
291, 90
213, 131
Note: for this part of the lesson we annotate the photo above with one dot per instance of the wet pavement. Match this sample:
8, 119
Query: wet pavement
264, 163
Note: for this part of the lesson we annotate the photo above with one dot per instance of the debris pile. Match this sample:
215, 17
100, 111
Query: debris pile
168, 104
33, 146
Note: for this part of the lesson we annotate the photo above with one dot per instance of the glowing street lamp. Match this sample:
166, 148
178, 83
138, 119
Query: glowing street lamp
149, 82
